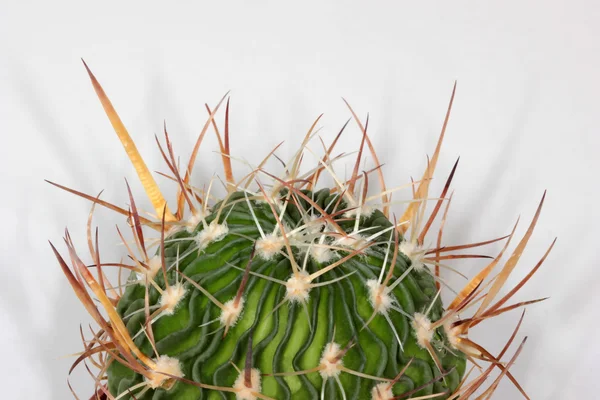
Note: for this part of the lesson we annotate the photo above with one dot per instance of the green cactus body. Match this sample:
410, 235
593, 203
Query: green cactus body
288, 335
277, 292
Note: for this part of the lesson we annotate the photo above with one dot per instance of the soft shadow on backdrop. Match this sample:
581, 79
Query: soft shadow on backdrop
525, 119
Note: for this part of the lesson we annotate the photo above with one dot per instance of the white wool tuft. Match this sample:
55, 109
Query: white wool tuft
212, 233
365, 211
322, 254
314, 225
298, 287
453, 335
195, 219
164, 365
423, 332
244, 392
330, 366
352, 241
171, 297
382, 391
269, 246
379, 296
154, 265
231, 313
414, 253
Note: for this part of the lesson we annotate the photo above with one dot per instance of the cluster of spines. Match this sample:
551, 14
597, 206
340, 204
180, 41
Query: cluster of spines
320, 237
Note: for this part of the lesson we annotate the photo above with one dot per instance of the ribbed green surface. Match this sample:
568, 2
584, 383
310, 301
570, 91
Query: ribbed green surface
283, 340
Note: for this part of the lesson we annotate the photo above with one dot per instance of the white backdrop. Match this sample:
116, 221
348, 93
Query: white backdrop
525, 120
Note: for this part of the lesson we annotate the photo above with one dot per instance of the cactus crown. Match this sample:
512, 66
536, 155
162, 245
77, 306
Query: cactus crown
283, 290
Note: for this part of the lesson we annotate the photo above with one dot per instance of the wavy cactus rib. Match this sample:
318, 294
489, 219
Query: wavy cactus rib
287, 291
293, 336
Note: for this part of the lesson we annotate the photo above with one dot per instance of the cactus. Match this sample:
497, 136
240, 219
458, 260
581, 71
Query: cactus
286, 290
